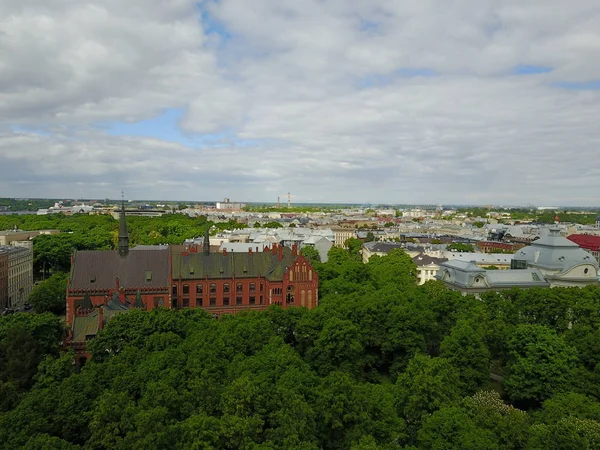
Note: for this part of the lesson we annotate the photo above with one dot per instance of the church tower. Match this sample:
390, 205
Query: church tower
123, 235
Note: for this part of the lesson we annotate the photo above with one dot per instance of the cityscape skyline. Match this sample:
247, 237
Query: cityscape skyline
389, 102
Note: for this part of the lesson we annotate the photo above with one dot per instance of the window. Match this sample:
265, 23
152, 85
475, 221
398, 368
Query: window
199, 289
260, 300
174, 290
252, 300
213, 288
586, 270
225, 301
238, 288
289, 298
226, 288
262, 286
238, 300
213, 301
186, 288
252, 287
186, 302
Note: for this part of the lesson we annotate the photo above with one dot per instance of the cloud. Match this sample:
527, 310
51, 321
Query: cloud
391, 101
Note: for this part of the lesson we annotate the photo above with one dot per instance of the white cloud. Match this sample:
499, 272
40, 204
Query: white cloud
330, 94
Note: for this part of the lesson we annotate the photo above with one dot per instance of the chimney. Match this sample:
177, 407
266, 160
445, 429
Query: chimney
100, 318
249, 250
207, 241
224, 251
280, 255
295, 250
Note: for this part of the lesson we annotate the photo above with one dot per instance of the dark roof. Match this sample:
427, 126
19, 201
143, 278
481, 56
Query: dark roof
187, 265
384, 247
103, 267
425, 260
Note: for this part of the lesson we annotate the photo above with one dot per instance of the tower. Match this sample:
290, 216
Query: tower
123, 235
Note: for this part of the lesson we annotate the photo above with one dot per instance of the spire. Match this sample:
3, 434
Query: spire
207, 241
123, 235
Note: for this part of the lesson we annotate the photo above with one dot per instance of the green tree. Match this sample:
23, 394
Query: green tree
427, 385
50, 294
460, 247
272, 224
311, 255
452, 428
338, 347
465, 348
540, 364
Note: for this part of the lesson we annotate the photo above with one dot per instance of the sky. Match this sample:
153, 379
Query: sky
380, 101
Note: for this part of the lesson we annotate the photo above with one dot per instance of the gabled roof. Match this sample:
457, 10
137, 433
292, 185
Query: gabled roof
426, 260
100, 269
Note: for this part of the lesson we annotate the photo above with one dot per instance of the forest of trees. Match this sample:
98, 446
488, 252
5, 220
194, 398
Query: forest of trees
380, 364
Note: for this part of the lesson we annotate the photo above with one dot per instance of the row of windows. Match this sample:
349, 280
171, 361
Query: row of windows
213, 288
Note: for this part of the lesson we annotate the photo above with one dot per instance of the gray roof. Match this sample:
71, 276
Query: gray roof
516, 277
554, 252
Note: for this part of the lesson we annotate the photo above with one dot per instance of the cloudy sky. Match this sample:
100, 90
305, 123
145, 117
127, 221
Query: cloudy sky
400, 101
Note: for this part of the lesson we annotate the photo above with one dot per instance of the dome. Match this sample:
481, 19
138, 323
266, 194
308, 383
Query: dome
554, 252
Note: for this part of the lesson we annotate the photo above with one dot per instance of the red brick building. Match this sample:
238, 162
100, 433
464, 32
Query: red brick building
105, 283
497, 246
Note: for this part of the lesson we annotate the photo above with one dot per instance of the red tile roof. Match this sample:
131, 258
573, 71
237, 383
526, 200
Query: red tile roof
586, 241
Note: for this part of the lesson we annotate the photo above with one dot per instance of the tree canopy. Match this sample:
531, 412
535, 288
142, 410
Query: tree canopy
381, 363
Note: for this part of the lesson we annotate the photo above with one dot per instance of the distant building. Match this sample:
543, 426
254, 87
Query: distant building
427, 267
341, 235
369, 249
229, 205
9, 236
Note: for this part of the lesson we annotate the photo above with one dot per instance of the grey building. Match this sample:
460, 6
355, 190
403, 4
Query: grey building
19, 276
549, 261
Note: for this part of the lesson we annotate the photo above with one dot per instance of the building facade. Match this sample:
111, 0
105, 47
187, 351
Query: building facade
16, 275
3, 279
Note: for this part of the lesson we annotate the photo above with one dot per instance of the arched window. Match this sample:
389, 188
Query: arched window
310, 300
186, 288
213, 288
199, 289
310, 275
226, 288
291, 276
302, 297
252, 287
238, 288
